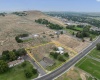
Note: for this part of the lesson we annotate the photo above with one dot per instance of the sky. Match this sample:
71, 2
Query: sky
50, 5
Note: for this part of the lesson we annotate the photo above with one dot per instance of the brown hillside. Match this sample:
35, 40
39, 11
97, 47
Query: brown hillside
12, 25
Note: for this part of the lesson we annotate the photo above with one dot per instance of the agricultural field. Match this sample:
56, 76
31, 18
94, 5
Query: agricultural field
91, 63
17, 73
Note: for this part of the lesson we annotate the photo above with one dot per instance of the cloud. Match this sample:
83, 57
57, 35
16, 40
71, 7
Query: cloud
98, 0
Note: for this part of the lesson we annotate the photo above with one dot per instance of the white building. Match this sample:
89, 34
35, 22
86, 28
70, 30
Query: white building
60, 50
14, 63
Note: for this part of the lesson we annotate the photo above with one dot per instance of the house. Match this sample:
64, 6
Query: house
60, 50
95, 29
14, 63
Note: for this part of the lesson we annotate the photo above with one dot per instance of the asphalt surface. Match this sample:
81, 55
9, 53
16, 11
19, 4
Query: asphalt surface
69, 64
40, 70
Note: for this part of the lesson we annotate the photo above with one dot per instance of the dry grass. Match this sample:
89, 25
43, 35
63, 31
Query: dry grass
72, 74
72, 42
42, 51
12, 25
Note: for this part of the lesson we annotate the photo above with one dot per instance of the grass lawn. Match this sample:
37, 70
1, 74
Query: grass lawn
17, 73
89, 65
90, 78
70, 31
78, 28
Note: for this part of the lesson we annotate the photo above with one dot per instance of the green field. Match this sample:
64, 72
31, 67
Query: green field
78, 28
70, 31
17, 73
95, 53
90, 65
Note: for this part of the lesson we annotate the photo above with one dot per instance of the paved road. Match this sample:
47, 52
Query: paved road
40, 70
69, 64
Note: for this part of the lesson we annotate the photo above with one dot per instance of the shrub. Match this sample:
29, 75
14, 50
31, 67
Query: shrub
98, 46
66, 54
3, 66
54, 55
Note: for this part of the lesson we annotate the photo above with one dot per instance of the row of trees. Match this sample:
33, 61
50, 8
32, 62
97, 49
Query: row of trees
49, 24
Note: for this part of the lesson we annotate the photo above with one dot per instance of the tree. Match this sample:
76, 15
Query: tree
61, 58
91, 39
34, 71
98, 46
3, 66
73, 33
28, 73
5, 55
62, 32
18, 40
21, 52
12, 56
54, 55
66, 54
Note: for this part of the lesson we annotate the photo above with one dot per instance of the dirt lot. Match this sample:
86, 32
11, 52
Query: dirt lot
12, 25
42, 51
72, 42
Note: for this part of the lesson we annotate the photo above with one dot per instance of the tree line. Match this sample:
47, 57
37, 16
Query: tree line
49, 24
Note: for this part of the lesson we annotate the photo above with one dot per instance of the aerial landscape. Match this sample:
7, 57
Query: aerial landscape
49, 40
